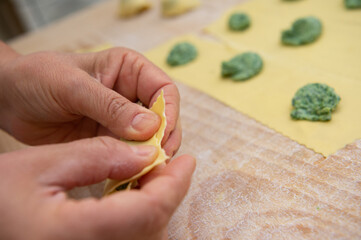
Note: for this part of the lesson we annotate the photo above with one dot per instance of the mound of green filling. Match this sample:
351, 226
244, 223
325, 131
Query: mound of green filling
122, 187
353, 3
239, 22
242, 66
303, 31
182, 53
314, 102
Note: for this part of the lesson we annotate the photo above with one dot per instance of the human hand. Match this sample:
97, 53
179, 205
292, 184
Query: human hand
53, 97
33, 181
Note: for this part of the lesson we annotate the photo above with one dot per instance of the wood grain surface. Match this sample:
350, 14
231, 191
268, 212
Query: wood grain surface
251, 182
100, 23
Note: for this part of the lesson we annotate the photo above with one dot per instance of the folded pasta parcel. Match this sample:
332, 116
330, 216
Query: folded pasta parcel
129, 8
176, 7
158, 107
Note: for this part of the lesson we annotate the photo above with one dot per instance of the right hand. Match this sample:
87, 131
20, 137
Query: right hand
34, 205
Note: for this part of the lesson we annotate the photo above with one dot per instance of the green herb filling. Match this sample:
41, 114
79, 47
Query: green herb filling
303, 31
239, 22
182, 53
314, 102
242, 66
353, 3
122, 187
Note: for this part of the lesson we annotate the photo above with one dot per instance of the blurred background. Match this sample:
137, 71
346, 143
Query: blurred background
20, 16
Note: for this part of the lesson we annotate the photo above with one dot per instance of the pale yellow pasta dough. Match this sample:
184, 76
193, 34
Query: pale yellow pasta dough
159, 108
177, 7
128, 8
337, 51
267, 96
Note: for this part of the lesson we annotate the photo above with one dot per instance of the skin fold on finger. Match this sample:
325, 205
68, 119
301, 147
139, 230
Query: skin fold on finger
88, 161
124, 118
134, 77
120, 69
103, 131
170, 185
45, 79
173, 143
124, 215
138, 78
140, 211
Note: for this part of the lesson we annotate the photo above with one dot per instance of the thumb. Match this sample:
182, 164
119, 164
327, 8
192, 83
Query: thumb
141, 214
88, 161
122, 117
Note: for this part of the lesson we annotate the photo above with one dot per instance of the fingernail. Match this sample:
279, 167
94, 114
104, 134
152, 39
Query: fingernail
142, 121
145, 150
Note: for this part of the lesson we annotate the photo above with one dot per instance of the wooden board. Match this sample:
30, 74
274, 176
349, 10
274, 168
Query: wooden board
100, 23
253, 183
250, 182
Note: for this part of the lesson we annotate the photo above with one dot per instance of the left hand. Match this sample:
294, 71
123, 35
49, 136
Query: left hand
54, 97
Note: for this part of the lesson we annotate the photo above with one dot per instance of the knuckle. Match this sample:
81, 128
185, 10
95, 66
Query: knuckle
69, 86
79, 80
106, 142
116, 107
172, 118
113, 55
173, 92
104, 145
174, 89
135, 61
132, 57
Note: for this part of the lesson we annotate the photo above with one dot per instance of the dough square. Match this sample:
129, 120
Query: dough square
337, 50
267, 97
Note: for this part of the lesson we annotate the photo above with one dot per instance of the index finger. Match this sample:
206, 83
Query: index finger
134, 77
